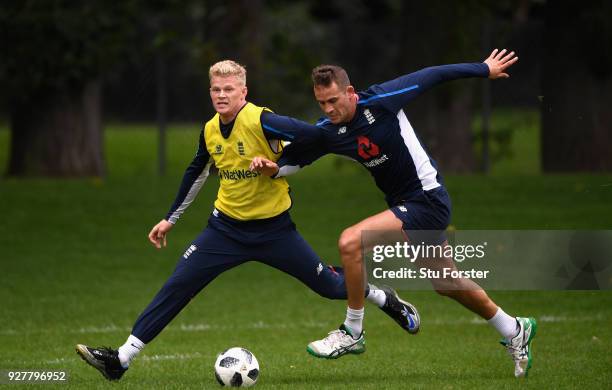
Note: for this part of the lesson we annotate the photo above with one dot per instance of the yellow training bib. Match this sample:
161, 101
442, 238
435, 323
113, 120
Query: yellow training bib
245, 195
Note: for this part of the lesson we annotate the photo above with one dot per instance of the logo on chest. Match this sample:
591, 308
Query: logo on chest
366, 148
218, 149
241, 148
369, 116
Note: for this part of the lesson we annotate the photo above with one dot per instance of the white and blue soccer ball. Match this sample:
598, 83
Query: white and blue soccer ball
236, 367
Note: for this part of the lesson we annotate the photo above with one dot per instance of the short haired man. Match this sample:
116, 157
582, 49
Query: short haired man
371, 128
250, 221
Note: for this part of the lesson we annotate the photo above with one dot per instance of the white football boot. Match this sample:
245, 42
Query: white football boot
519, 347
338, 343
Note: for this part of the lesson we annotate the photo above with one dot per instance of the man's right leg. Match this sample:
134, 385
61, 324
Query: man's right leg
291, 254
350, 246
208, 256
351, 253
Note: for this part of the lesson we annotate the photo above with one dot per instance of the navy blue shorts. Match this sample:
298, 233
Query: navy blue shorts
425, 216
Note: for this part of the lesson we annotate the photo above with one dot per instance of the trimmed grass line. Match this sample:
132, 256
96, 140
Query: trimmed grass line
144, 358
203, 327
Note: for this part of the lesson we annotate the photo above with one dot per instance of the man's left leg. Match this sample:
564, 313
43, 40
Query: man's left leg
517, 332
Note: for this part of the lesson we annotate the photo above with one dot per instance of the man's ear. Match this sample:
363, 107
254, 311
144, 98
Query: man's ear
350, 90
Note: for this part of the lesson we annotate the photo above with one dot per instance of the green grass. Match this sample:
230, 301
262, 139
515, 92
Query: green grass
77, 268
514, 141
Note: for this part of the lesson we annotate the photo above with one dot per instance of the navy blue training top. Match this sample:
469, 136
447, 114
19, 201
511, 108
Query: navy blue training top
379, 136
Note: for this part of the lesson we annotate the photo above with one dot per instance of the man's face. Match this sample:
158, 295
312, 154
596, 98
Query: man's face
337, 103
228, 95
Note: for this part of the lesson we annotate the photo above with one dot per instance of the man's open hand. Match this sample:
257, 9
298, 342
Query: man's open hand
498, 62
263, 165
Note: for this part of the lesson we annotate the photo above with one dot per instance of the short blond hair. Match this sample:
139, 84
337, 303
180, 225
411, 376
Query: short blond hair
228, 68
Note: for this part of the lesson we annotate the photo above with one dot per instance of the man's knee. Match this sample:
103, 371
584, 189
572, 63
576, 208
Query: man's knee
350, 242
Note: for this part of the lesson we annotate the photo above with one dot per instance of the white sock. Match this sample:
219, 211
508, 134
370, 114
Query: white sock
376, 296
505, 324
129, 350
354, 321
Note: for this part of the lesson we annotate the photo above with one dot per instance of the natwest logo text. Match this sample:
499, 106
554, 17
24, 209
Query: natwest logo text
238, 174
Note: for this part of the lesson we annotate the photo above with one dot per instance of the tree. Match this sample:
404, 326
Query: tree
577, 87
380, 40
53, 55
433, 33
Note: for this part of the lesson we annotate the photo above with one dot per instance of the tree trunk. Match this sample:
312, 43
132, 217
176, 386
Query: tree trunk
442, 117
577, 88
59, 135
448, 130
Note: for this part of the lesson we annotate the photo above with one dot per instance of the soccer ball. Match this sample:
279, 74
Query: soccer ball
236, 367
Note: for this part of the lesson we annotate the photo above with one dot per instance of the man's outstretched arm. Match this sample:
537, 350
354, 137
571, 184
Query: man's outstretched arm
288, 129
395, 94
294, 158
306, 145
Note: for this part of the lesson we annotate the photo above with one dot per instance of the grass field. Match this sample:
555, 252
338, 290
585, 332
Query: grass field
77, 268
